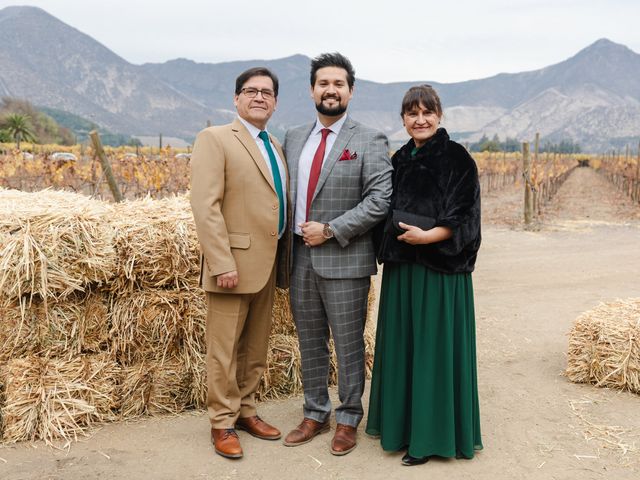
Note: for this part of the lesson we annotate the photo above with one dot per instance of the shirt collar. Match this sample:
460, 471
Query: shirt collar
335, 128
253, 130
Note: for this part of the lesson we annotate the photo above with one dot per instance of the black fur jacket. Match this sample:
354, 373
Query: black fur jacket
440, 183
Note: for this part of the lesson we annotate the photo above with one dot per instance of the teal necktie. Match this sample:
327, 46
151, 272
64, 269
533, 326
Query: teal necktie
277, 181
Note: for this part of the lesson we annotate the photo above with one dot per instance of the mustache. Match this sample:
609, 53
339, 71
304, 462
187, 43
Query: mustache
331, 95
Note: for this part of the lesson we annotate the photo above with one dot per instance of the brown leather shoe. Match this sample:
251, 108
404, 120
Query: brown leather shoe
258, 428
226, 442
305, 432
344, 439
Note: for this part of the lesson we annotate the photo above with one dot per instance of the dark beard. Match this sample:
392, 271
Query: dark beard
331, 112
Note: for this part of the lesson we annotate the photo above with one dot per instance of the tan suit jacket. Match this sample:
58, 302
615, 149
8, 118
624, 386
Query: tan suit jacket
235, 207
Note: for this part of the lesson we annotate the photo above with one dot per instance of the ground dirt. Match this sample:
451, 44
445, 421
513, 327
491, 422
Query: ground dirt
530, 285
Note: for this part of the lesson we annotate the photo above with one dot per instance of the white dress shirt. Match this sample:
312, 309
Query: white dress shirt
254, 132
304, 167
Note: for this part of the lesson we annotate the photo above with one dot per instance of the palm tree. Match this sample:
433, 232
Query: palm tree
19, 127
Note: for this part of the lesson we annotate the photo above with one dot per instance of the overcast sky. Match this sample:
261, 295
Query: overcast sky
386, 40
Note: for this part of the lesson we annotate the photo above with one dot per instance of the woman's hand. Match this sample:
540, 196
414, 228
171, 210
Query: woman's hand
413, 235
416, 236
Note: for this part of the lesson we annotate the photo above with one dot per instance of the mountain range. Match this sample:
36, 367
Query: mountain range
592, 98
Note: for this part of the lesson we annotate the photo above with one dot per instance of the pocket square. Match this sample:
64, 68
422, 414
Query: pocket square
347, 155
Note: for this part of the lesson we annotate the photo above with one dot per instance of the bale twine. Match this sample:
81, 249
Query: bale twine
156, 244
47, 398
604, 346
53, 243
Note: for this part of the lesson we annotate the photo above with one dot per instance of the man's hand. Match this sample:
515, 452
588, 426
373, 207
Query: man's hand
227, 280
312, 233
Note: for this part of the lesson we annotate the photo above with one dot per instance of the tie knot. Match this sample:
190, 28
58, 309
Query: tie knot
264, 136
325, 132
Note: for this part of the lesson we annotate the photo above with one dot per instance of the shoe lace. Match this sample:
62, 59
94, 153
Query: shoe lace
229, 432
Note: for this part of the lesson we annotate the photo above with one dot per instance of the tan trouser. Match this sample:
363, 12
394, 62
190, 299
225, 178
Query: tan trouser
238, 328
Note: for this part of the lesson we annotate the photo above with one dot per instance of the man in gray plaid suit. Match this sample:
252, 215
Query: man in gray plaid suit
341, 185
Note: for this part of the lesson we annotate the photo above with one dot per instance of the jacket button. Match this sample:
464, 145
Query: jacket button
273, 234
275, 207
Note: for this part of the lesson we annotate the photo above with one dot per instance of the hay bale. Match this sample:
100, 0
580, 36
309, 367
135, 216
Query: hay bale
57, 398
78, 324
18, 329
158, 324
156, 244
53, 243
59, 328
282, 318
604, 346
155, 388
370, 331
283, 376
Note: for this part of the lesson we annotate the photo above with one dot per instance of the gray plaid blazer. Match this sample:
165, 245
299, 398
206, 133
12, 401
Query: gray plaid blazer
351, 195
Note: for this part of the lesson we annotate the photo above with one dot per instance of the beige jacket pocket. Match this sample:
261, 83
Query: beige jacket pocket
239, 240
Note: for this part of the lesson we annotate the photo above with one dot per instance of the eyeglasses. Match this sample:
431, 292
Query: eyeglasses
251, 92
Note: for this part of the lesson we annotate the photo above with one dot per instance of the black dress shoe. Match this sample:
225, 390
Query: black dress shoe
410, 461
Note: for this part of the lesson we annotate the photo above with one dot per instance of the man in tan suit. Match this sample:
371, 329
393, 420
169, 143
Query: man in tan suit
239, 203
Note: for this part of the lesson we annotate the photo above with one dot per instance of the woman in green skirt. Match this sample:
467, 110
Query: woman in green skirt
424, 391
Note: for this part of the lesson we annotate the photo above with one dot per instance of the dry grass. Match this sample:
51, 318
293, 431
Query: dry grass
59, 328
53, 243
158, 324
156, 244
18, 329
614, 438
57, 398
151, 387
604, 346
283, 375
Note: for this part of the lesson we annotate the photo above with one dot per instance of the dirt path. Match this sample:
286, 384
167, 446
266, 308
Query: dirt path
529, 286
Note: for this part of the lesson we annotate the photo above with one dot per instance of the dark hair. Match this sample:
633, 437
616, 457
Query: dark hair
424, 95
256, 72
333, 60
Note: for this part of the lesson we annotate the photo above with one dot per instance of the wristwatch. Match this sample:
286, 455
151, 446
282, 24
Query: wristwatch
327, 232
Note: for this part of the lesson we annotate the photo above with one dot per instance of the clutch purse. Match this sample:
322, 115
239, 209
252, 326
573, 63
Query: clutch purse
392, 226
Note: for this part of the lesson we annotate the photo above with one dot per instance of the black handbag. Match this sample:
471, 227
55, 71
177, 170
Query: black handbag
392, 225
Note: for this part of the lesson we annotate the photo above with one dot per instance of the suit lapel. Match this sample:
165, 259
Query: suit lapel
346, 132
276, 144
249, 143
293, 158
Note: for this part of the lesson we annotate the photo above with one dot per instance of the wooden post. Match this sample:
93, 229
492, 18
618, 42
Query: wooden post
637, 199
536, 164
160, 143
106, 166
526, 173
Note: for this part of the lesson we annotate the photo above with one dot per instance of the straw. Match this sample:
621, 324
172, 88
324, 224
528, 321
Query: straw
604, 346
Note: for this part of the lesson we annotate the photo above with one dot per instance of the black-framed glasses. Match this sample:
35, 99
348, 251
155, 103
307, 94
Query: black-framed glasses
251, 92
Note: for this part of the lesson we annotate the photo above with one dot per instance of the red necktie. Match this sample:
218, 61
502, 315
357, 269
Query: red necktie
316, 168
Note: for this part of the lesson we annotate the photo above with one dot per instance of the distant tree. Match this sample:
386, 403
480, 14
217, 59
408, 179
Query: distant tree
5, 137
487, 145
19, 127
44, 128
565, 146
511, 145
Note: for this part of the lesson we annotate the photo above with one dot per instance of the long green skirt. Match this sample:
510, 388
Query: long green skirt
424, 390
